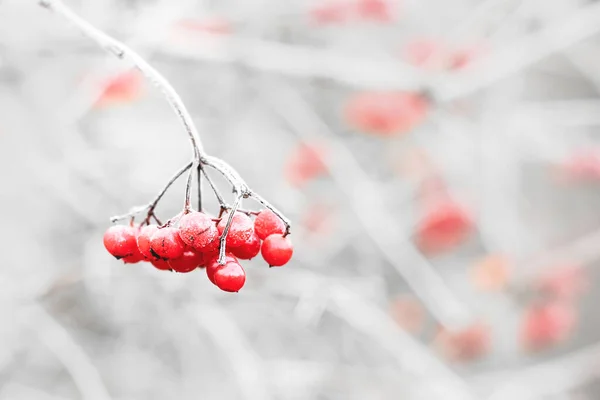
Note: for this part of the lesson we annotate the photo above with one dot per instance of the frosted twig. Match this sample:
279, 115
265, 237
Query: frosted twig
122, 51
152, 205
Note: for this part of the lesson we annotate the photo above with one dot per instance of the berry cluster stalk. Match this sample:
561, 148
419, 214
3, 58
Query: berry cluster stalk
201, 158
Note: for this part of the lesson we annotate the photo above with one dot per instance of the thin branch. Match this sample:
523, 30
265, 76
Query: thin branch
187, 206
152, 205
122, 51
223, 239
215, 190
199, 188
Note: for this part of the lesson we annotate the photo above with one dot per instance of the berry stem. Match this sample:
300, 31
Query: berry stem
187, 206
223, 243
122, 51
152, 205
215, 190
199, 177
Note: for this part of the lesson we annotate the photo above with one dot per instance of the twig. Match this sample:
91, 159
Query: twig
215, 190
152, 205
122, 51
223, 240
187, 206
199, 177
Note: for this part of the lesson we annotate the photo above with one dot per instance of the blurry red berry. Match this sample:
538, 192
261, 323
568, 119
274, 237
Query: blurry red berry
419, 52
161, 264
277, 250
216, 25
466, 344
189, 261
120, 241
443, 227
248, 250
305, 163
385, 113
213, 265
166, 243
267, 223
547, 324
408, 313
198, 230
378, 10
566, 282
143, 241
230, 277
124, 87
330, 13
240, 231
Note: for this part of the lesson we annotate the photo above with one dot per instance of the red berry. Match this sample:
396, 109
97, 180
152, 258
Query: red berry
120, 241
230, 278
443, 228
378, 10
386, 113
161, 264
213, 265
305, 163
198, 230
547, 324
166, 243
240, 231
277, 250
267, 223
465, 344
134, 258
143, 241
248, 250
189, 261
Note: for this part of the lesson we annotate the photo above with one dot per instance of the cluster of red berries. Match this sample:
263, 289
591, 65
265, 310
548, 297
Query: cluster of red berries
195, 243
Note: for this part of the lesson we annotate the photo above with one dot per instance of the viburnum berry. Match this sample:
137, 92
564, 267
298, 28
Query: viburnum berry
161, 264
386, 113
230, 277
134, 258
547, 324
166, 243
143, 241
305, 163
120, 241
443, 227
248, 250
213, 265
267, 223
240, 231
198, 230
465, 344
189, 261
378, 10
277, 250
